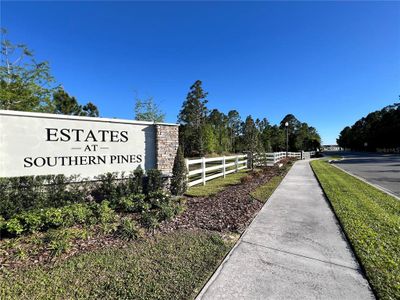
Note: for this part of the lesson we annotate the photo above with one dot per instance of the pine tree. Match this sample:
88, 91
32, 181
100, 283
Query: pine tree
192, 118
179, 172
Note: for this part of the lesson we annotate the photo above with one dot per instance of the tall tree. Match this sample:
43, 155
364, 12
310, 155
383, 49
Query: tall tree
25, 84
148, 110
234, 122
192, 117
68, 105
250, 135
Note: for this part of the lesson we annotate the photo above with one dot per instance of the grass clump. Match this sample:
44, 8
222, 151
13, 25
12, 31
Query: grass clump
371, 220
184, 262
212, 187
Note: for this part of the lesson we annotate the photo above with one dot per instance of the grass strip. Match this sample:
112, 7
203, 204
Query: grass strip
214, 186
371, 220
263, 192
173, 266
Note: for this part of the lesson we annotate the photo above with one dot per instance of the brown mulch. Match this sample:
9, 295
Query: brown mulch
230, 210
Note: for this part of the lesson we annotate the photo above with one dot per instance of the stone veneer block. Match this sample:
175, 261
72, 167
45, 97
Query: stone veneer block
167, 142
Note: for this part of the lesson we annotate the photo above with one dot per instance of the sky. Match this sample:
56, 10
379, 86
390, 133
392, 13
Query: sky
327, 63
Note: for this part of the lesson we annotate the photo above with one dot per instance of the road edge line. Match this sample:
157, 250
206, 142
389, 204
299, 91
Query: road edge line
367, 182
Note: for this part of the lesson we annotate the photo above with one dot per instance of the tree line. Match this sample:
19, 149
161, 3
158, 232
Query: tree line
204, 131
379, 130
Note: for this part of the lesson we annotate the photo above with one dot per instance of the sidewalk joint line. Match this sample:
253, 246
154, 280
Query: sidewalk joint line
300, 255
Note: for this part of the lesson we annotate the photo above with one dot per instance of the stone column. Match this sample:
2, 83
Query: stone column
167, 142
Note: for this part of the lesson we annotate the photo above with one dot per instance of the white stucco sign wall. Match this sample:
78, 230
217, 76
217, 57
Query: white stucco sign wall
43, 144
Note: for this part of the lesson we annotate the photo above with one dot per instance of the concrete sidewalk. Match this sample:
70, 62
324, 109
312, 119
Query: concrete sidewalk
294, 249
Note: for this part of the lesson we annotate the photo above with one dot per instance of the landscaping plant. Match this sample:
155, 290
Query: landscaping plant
179, 172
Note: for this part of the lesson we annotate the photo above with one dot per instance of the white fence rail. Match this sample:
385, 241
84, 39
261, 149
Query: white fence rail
204, 169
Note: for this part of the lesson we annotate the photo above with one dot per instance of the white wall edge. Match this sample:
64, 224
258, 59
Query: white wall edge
78, 118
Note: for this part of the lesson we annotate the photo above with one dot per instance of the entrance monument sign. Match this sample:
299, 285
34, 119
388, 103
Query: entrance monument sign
49, 144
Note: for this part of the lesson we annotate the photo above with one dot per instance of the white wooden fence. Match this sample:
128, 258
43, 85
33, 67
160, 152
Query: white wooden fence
204, 169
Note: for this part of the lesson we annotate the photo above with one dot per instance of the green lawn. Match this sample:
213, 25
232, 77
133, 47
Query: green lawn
371, 220
173, 266
212, 187
263, 192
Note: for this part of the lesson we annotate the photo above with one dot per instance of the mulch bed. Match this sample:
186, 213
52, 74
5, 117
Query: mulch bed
230, 210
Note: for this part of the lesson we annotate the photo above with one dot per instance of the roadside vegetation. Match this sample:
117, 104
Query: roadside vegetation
371, 221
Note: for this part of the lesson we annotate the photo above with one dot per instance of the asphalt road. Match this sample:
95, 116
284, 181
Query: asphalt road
379, 169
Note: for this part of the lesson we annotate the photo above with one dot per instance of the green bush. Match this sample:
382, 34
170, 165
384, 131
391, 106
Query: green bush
66, 216
136, 181
150, 219
106, 189
153, 181
53, 217
129, 230
14, 226
126, 204
166, 212
58, 241
104, 213
33, 221
25, 193
179, 172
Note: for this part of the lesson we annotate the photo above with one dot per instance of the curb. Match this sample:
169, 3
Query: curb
367, 182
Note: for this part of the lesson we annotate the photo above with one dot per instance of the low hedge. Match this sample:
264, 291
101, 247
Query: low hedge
43, 219
153, 208
21, 194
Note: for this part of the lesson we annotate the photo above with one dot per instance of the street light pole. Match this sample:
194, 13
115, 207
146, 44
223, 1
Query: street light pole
287, 138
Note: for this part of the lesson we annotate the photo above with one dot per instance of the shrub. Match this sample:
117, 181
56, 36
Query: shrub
149, 219
59, 241
157, 199
108, 228
106, 188
76, 214
154, 181
136, 181
53, 217
33, 221
104, 213
20, 194
167, 212
126, 204
14, 226
179, 172
129, 230
141, 204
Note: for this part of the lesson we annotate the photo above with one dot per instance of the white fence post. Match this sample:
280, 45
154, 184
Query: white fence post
236, 163
223, 167
203, 167
187, 169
